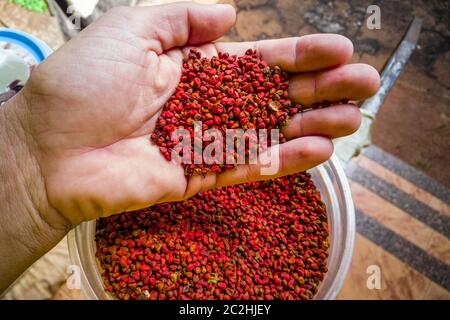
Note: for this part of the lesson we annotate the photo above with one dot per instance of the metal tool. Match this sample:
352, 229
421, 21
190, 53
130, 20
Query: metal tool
348, 147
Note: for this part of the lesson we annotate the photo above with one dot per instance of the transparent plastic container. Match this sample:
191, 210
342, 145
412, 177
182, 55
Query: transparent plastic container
329, 178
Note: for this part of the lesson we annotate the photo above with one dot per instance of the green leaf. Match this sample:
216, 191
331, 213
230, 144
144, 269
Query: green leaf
33, 5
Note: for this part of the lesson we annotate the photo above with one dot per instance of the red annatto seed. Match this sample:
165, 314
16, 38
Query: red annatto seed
197, 82
259, 240
217, 120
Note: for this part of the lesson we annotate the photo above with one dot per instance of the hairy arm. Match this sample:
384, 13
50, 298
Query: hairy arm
29, 226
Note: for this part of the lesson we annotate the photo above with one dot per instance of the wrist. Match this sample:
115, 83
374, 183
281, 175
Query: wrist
29, 226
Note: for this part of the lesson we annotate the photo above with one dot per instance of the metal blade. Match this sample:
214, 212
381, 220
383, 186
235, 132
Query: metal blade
394, 67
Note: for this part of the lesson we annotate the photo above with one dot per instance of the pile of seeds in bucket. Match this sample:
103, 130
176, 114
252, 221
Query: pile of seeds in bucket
260, 240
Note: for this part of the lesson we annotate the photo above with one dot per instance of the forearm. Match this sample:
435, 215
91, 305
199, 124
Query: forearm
29, 226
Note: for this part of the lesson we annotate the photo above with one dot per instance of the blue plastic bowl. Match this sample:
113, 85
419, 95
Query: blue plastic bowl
38, 48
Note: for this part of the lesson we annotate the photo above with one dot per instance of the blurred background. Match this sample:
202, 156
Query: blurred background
400, 183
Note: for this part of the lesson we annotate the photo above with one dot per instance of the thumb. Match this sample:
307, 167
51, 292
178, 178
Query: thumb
178, 24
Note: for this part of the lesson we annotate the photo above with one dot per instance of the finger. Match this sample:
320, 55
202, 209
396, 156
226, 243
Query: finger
199, 183
332, 122
353, 81
179, 24
294, 156
299, 54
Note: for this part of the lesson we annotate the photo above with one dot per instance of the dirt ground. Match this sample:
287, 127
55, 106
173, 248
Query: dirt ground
414, 123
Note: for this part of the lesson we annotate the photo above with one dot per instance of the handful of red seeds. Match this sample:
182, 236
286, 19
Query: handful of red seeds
224, 92
260, 240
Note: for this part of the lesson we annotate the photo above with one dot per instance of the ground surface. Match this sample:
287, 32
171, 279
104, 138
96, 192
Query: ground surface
414, 123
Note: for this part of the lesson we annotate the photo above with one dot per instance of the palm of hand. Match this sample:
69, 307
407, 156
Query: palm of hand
102, 144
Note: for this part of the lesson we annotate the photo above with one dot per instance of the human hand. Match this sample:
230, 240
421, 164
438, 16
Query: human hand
90, 107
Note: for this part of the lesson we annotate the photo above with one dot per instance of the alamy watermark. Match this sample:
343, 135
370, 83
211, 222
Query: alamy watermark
373, 21
374, 279
241, 147
73, 282
74, 18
